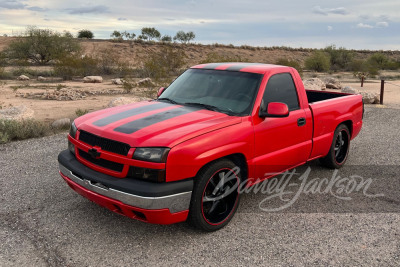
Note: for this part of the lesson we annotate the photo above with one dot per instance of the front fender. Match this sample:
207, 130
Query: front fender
186, 159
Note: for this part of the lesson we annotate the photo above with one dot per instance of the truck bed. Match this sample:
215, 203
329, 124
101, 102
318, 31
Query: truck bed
329, 109
315, 96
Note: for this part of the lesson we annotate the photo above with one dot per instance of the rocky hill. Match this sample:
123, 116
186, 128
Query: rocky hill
135, 52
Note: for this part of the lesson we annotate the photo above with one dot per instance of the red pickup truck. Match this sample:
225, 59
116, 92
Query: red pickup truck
214, 128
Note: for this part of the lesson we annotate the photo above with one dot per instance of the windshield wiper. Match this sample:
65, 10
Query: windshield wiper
169, 100
210, 107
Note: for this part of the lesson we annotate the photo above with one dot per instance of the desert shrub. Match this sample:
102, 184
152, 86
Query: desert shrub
41, 46
109, 63
340, 58
184, 37
290, 63
18, 130
85, 34
150, 33
32, 72
71, 66
60, 86
80, 112
363, 68
117, 36
4, 75
127, 85
318, 61
215, 57
381, 61
393, 65
378, 60
3, 59
166, 38
168, 61
128, 36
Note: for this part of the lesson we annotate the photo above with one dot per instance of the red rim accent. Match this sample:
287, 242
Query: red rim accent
234, 206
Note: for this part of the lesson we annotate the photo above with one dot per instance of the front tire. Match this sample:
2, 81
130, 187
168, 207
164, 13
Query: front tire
215, 195
339, 150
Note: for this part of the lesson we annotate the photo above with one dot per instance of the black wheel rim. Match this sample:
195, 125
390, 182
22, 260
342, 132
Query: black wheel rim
220, 196
341, 146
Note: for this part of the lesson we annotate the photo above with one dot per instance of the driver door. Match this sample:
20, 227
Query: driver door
281, 143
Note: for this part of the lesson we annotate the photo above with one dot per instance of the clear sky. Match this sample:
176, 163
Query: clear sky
357, 24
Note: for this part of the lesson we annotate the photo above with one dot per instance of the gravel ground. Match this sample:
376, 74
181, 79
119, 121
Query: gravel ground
44, 223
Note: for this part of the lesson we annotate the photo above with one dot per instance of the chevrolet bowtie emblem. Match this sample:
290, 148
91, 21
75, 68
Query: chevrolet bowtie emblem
94, 153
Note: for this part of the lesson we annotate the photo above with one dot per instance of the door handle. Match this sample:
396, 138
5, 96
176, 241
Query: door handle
301, 121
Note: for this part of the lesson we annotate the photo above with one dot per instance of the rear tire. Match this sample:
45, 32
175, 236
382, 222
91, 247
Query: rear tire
215, 196
339, 150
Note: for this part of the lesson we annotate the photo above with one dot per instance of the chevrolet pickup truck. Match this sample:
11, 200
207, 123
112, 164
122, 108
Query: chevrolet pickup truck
216, 127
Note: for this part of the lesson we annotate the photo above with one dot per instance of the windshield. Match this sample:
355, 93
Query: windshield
225, 91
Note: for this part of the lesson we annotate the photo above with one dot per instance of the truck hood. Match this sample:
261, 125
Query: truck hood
153, 124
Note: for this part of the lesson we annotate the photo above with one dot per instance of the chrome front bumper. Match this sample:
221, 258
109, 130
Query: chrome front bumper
175, 202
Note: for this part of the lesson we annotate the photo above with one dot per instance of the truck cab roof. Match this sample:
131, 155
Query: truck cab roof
240, 66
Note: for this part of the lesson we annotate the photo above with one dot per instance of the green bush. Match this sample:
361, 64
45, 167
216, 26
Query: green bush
340, 58
4, 75
18, 130
184, 37
290, 63
109, 63
80, 112
72, 65
85, 34
32, 72
215, 57
41, 46
318, 61
128, 86
364, 67
3, 61
166, 39
378, 60
117, 36
164, 63
150, 33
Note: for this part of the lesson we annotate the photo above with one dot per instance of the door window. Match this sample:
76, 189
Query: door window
281, 88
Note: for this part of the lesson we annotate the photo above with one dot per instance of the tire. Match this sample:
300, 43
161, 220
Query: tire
215, 196
339, 150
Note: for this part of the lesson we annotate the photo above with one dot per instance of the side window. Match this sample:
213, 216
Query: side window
281, 88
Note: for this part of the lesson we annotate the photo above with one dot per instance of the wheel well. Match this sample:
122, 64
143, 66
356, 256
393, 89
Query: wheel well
239, 159
349, 125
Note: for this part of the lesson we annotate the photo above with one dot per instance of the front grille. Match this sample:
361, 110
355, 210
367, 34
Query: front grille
101, 162
104, 143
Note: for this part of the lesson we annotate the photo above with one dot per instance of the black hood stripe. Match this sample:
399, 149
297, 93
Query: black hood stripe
129, 113
239, 67
213, 66
136, 125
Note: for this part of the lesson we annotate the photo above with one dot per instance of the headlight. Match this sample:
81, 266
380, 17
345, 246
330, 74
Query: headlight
153, 154
72, 130
72, 133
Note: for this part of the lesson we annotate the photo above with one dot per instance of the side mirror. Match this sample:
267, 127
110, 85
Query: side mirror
160, 91
273, 110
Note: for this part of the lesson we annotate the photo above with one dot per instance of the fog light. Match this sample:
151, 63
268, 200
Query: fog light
152, 175
71, 147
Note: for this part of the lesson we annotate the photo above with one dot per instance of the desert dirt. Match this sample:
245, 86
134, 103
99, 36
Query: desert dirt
50, 110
